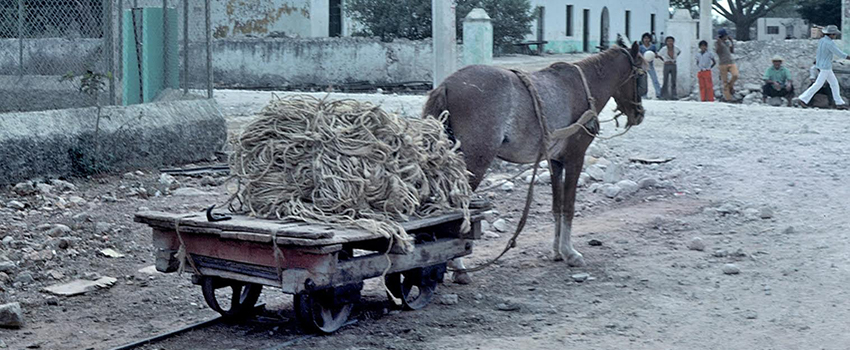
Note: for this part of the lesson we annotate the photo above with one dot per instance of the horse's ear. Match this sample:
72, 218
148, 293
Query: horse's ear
635, 50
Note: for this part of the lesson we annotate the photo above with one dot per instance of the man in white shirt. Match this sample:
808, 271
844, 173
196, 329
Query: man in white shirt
668, 55
826, 51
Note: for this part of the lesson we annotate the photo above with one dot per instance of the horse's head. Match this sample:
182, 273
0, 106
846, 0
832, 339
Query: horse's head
628, 94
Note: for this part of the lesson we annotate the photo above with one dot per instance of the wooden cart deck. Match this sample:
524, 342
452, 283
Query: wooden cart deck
313, 256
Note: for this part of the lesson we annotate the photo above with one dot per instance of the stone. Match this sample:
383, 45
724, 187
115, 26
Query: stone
102, 227
63, 186
59, 230
208, 181
485, 226
731, 269
491, 215
696, 244
501, 225
752, 87
628, 187
77, 200
544, 178
594, 187
24, 277
448, 299
751, 214
77, 287
775, 101
81, 218
507, 186
613, 174
751, 315
580, 277
44, 189
189, 192
15, 205
720, 253
594, 150
24, 188
6, 265
596, 172
611, 191
788, 230
728, 208
594, 243
507, 307
603, 162
647, 183
583, 179
766, 213
150, 270
167, 181
11, 315
490, 235
111, 253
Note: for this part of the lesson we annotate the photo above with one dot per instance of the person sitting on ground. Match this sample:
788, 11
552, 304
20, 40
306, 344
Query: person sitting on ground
827, 49
668, 54
705, 62
777, 81
825, 90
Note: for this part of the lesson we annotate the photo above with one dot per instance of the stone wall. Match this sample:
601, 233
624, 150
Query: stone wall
283, 62
59, 142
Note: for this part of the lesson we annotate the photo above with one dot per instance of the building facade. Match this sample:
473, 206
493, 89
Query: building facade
586, 25
769, 28
291, 18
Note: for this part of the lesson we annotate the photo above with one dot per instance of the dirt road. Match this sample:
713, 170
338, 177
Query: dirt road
764, 188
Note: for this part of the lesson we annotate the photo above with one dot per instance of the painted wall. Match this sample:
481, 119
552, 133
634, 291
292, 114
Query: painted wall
281, 62
798, 28
555, 21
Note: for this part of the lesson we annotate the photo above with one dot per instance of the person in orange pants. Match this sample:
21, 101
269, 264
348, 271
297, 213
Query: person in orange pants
705, 62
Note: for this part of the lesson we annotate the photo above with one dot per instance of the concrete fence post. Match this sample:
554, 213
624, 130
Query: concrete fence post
705, 25
208, 30
444, 32
477, 38
21, 38
845, 24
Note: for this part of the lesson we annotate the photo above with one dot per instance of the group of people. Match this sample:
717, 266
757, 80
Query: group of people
777, 78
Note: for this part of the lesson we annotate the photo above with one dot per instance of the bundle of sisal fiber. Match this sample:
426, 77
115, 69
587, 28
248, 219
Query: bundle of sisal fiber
347, 163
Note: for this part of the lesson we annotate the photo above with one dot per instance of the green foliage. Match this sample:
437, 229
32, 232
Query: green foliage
88, 162
411, 19
821, 12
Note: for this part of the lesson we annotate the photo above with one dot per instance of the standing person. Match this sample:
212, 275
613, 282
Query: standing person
826, 50
668, 54
825, 90
647, 45
705, 62
725, 47
777, 81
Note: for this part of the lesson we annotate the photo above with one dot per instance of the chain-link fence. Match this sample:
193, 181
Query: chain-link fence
148, 49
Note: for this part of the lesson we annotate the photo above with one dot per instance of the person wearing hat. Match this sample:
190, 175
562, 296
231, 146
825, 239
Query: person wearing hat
725, 47
826, 51
777, 81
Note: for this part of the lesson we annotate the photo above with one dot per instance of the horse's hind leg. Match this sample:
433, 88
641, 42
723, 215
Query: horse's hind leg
557, 170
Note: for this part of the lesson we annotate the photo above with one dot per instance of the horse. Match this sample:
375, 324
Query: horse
491, 112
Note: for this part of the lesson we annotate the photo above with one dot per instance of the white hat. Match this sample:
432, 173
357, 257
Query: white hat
831, 29
777, 58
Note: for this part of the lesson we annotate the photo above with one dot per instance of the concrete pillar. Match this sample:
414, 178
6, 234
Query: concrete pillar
444, 32
684, 29
320, 11
845, 24
477, 38
705, 27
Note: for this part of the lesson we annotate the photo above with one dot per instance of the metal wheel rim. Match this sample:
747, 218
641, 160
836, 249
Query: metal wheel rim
320, 317
243, 296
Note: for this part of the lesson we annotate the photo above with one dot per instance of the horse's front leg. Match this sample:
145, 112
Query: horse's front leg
557, 171
572, 170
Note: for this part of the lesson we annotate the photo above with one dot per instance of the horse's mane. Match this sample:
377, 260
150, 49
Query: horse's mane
599, 60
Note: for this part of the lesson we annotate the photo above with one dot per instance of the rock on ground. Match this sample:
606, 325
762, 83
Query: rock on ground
611, 191
501, 225
696, 244
11, 315
77, 287
628, 187
731, 269
507, 186
448, 299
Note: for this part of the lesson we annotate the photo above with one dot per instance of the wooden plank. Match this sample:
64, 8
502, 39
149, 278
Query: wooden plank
236, 223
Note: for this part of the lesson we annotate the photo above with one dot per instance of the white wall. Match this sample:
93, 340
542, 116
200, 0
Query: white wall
800, 29
555, 21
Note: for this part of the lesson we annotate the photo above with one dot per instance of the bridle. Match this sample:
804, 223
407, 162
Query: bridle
638, 73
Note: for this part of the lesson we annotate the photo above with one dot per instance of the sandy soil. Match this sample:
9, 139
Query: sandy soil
647, 289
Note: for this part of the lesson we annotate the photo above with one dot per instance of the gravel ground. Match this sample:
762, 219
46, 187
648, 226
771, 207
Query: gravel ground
764, 189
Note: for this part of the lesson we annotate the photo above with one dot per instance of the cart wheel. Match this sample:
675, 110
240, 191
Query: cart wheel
416, 287
242, 299
327, 310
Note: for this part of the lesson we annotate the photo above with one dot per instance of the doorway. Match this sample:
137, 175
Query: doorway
585, 31
604, 30
335, 18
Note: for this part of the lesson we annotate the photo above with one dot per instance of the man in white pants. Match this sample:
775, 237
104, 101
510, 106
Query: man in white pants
826, 50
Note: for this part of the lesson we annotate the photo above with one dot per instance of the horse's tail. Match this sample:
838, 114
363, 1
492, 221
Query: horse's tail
437, 104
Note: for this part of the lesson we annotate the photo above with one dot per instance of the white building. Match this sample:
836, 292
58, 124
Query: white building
301, 18
583, 25
770, 28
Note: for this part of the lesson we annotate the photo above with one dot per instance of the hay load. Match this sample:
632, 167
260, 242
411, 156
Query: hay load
347, 163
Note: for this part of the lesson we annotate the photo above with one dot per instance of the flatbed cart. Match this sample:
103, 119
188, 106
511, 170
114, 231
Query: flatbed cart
322, 266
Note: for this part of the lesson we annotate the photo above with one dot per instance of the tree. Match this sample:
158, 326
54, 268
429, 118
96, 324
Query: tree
743, 13
411, 19
821, 12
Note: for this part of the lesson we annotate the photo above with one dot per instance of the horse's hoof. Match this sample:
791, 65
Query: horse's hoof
576, 260
558, 257
461, 278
